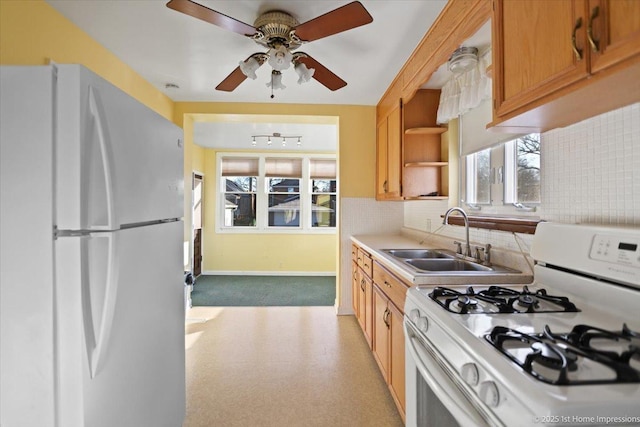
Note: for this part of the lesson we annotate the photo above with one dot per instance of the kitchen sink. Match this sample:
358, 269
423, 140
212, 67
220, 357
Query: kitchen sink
417, 253
446, 265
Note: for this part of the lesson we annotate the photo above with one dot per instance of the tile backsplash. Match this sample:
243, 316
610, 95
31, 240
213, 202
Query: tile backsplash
591, 170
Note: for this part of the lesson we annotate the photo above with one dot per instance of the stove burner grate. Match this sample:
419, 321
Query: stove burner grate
562, 352
497, 299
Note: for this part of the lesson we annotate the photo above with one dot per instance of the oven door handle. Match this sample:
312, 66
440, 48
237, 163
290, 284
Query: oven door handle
441, 383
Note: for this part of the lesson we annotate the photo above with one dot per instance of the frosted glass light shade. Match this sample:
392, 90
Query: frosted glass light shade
249, 67
276, 81
303, 72
280, 58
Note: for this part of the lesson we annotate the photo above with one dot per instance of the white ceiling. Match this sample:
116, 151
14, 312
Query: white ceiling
165, 46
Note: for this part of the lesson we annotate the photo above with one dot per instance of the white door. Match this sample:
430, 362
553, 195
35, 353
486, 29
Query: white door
120, 321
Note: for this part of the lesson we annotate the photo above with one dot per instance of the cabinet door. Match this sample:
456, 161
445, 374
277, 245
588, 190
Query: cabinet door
366, 308
615, 34
388, 156
533, 49
362, 307
381, 332
394, 153
396, 370
382, 160
368, 321
355, 287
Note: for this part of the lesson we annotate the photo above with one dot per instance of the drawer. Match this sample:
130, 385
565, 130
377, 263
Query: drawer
365, 262
393, 287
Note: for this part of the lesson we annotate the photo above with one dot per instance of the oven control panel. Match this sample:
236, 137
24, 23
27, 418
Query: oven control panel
624, 251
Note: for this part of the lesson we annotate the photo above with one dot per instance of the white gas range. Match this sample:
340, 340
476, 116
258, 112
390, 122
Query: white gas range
564, 350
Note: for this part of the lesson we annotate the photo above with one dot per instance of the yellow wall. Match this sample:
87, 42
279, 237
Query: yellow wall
32, 33
284, 252
257, 252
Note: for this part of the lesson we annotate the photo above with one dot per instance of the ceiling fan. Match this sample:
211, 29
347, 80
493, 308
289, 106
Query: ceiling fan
281, 34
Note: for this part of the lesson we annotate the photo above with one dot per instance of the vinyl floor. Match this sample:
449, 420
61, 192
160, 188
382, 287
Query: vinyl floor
282, 366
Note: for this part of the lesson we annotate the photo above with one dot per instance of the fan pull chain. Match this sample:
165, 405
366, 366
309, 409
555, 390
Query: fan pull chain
272, 96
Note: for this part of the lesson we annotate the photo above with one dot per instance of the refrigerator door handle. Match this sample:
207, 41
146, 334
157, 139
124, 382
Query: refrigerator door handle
99, 209
100, 271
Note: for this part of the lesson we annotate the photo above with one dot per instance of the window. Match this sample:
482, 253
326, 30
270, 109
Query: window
287, 193
323, 193
240, 185
504, 176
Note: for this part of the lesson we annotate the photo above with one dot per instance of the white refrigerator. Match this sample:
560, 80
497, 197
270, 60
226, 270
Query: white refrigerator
91, 289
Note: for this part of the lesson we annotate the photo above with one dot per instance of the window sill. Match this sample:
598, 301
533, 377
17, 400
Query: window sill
511, 224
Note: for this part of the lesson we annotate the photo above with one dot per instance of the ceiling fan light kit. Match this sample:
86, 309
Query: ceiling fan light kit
281, 34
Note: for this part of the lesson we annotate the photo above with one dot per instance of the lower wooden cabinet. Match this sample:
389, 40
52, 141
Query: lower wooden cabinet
388, 345
378, 297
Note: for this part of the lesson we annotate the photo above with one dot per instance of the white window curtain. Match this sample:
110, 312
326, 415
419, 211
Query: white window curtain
283, 168
465, 91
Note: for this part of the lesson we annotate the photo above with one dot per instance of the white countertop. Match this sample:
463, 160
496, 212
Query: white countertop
374, 243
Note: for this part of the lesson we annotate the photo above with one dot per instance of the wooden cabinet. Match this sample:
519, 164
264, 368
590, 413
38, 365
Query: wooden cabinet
424, 160
362, 288
615, 35
388, 335
559, 62
388, 184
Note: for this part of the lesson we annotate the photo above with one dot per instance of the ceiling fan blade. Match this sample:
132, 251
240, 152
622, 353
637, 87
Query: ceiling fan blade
341, 19
232, 81
211, 16
322, 74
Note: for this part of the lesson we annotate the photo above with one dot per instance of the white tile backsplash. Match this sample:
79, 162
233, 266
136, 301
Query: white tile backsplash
591, 170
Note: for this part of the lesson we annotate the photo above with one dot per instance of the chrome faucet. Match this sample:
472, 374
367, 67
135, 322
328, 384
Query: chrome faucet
466, 225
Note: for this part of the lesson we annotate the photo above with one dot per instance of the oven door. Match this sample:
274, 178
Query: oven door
433, 394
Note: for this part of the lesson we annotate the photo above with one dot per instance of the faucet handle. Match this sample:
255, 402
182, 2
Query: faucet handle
459, 250
487, 254
478, 256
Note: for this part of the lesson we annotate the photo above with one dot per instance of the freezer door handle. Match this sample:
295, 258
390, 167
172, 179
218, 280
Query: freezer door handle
100, 271
98, 208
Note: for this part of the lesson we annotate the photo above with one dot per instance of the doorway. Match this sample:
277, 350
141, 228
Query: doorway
197, 184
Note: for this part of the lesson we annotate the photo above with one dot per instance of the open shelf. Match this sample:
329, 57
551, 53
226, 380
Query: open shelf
424, 164
425, 131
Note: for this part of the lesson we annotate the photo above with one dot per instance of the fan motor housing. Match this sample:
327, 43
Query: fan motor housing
276, 28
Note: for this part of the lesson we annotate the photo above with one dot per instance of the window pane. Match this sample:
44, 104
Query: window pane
284, 210
478, 177
323, 210
240, 201
528, 172
323, 185
284, 185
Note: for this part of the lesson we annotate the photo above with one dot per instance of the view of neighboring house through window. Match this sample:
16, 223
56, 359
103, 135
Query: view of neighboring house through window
283, 180
288, 192
241, 182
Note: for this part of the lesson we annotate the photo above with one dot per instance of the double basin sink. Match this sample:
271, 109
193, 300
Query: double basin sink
441, 261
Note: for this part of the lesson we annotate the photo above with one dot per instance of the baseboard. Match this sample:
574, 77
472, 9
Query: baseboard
267, 273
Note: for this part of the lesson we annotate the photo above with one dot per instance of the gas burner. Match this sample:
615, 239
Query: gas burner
557, 358
497, 299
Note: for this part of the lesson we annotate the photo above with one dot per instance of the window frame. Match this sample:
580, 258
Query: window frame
502, 192
262, 196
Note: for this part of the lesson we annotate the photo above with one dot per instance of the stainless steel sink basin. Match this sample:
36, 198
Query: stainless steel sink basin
441, 265
417, 253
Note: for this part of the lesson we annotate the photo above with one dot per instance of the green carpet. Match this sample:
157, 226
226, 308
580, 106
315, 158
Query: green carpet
254, 291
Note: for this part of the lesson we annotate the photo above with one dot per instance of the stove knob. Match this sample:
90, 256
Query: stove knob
414, 315
470, 373
422, 323
489, 393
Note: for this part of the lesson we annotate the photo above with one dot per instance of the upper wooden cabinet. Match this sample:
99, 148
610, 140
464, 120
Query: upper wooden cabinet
559, 62
388, 151
616, 31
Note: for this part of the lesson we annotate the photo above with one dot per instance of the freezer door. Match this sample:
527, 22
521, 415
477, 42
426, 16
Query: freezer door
120, 328
118, 162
